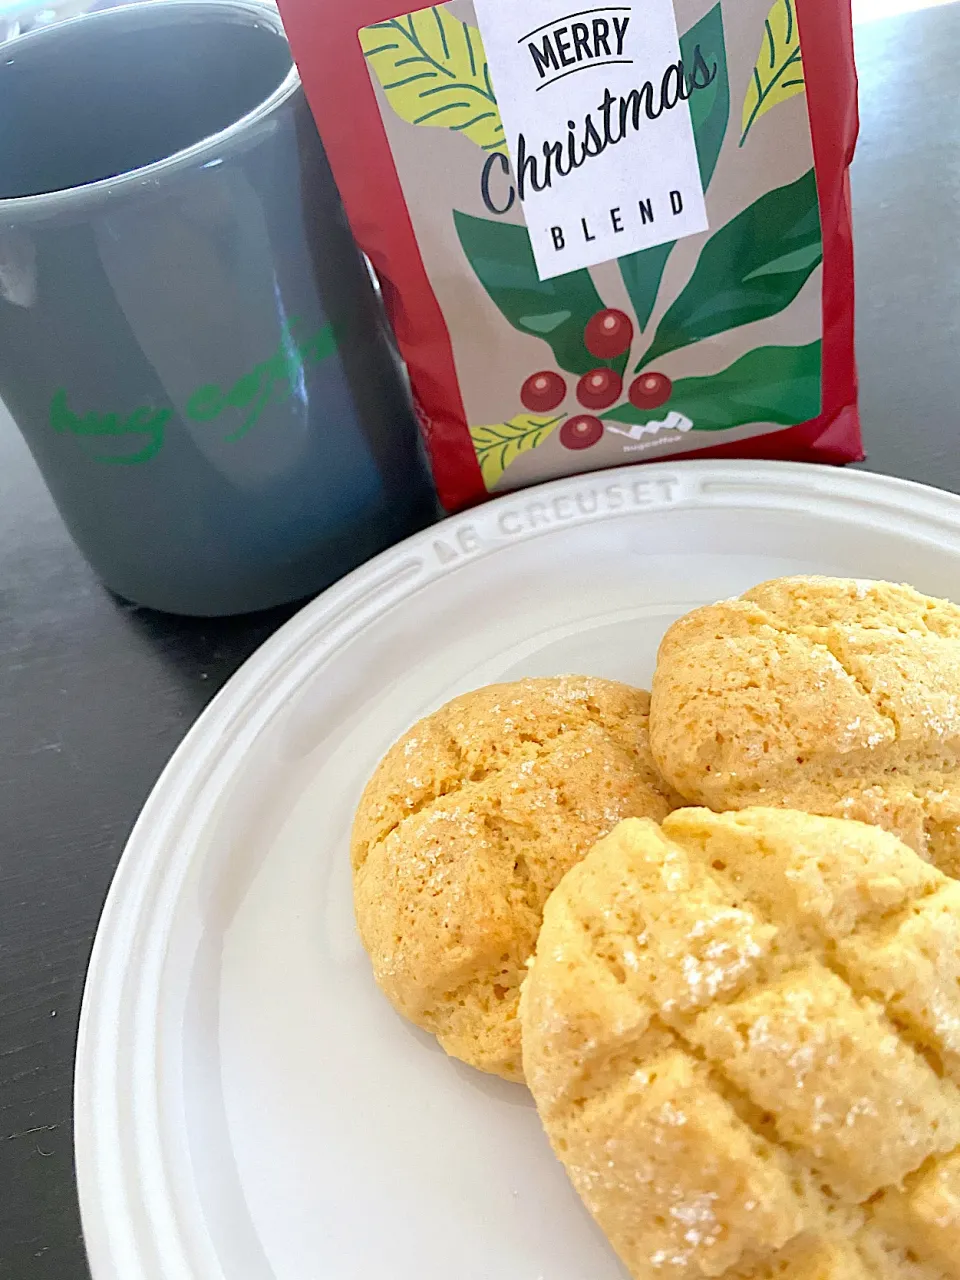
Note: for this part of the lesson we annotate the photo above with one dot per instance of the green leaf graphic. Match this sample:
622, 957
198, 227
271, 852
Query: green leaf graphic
749, 270
497, 447
710, 110
799, 260
710, 107
433, 70
642, 273
555, 310
772, 384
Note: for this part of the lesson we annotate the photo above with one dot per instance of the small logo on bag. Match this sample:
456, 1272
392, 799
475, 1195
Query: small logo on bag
577, 42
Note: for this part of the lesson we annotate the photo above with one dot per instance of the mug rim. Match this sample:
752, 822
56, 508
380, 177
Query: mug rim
147, 177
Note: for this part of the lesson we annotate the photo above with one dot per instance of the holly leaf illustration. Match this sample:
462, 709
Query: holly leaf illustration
497, 447
710, 111
434, 72
778, 74
749, 270
781, 385
556, 310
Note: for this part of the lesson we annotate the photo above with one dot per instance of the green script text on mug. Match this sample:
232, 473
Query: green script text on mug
275, 377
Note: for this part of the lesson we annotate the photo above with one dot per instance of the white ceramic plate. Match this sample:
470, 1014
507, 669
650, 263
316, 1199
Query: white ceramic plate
248, 1107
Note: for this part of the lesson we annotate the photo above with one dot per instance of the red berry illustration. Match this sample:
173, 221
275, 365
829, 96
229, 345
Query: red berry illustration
542, 392
599, 389
581, 432
650, 390
609, 334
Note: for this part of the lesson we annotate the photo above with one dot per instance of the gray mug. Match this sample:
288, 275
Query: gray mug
189, 339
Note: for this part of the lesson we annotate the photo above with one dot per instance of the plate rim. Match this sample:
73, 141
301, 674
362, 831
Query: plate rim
127, 1237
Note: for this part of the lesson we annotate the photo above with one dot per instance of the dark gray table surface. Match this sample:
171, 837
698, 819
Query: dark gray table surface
95, 696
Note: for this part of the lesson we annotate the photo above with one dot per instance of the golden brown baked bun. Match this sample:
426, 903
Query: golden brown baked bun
823, 694
742, 1033
466, 827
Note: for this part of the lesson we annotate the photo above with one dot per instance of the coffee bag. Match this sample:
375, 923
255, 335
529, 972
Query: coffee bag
613, 235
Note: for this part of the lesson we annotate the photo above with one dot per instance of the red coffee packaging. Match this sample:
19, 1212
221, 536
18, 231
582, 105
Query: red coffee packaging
609, 235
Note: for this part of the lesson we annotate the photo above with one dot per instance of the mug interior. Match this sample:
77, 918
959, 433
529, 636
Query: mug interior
111, 93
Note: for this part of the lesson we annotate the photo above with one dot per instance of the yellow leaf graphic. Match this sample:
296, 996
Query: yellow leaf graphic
434, 72
497, 447
778, 74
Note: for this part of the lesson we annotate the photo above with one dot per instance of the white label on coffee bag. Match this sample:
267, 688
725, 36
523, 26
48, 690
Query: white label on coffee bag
595, 104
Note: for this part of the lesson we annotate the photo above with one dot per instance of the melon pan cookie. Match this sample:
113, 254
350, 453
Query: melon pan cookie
742, 1033
468, 824
827, 695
